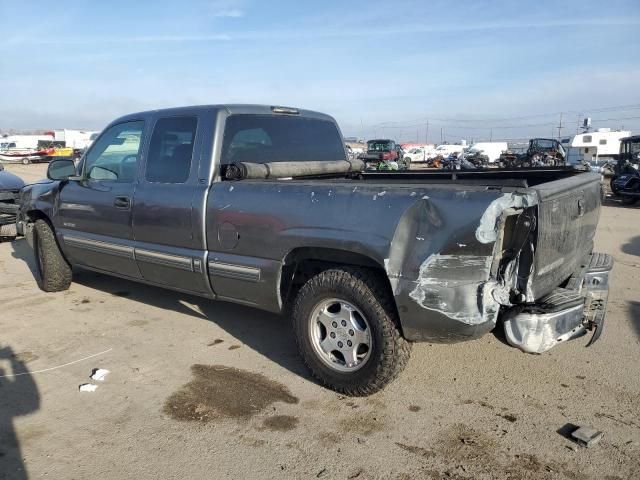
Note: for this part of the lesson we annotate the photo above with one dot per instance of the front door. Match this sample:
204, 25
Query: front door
95, 213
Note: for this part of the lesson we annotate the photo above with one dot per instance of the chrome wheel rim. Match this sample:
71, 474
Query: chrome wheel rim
340, 335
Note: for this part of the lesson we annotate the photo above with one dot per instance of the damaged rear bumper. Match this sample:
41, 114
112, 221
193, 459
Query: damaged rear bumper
565, 313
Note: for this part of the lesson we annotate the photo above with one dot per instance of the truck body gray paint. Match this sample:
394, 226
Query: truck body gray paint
440, 237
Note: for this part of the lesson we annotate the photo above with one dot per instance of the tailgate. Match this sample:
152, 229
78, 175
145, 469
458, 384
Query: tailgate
568, 211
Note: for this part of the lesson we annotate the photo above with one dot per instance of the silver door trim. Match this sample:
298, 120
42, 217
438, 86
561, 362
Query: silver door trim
99, 246
237, 272
165, 259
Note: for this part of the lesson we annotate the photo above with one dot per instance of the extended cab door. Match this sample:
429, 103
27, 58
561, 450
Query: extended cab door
94, 216
168, 213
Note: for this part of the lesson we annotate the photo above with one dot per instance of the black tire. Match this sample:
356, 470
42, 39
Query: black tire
629, 200
26, 161
614, 190
364, 289
53, 273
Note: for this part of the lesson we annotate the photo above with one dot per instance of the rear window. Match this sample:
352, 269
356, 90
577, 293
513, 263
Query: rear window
270, 138
379, 146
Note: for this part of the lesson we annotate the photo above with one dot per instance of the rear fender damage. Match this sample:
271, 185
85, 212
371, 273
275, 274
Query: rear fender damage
468, 283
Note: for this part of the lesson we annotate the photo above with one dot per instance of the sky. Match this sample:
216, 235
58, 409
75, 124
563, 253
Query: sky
470, 69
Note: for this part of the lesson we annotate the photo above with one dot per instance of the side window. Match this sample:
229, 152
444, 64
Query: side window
171, 150
586, 139
603, 141
114, 156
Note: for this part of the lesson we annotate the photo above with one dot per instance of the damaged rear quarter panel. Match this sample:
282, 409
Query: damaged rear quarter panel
446, 292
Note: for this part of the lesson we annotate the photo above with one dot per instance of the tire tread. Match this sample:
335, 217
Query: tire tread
367, 285
56, 272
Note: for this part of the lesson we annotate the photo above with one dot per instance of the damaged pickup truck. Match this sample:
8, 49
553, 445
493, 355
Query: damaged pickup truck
259, 205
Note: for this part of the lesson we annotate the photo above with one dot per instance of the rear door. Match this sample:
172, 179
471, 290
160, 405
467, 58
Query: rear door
168, 216
94, 217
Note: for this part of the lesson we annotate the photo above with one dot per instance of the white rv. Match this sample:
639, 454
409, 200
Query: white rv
597, 147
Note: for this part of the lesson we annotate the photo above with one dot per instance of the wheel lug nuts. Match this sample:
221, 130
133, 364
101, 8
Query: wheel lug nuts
344, 323
334, 324
351, 332
340, 344
333, 335
349, 343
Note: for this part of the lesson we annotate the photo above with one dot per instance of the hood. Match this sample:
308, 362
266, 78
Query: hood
9, 181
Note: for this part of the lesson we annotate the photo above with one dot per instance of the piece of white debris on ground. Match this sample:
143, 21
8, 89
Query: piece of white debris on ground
99, 374
88, 387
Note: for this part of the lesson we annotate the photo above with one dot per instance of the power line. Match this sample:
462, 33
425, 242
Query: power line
388, 124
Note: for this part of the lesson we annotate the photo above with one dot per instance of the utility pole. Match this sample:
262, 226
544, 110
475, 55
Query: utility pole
441, 136
426, 137
578, 124
560, 126
417, 135
361, 129
491, 135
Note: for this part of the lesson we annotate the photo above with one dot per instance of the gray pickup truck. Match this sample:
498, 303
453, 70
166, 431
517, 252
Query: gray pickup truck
259, 205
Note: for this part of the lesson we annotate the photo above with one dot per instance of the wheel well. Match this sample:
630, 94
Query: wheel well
37, 215
303, 263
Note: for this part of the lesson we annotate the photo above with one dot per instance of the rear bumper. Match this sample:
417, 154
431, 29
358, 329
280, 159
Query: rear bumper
565, 313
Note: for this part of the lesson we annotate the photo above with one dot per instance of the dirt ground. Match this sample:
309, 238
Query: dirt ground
200, 389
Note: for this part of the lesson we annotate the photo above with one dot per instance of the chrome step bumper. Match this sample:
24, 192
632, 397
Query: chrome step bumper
565, 313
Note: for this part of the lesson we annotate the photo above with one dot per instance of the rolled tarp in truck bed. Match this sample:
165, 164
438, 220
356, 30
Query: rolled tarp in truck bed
248, 170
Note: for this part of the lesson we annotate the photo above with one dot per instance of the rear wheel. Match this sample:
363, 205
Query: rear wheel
347, 332
629, 200
53, 273
26, 161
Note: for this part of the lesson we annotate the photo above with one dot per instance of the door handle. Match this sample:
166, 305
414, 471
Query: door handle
122, 202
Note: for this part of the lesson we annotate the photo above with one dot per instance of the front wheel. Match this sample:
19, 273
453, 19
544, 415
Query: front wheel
347, 331
26, 161
629, 200
53, 273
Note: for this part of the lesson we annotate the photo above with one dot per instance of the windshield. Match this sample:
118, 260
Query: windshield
378, 146
544, 143
630, 151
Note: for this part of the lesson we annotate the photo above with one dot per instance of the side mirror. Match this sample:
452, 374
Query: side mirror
61, 169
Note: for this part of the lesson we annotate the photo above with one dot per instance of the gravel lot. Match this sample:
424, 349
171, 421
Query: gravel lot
201, 389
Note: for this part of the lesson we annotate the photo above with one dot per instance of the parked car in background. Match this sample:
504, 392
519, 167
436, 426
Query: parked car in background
446, 149
10, 186
383, 154
419, 154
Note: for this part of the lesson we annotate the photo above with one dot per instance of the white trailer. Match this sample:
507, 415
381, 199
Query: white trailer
74, 138
23, 142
